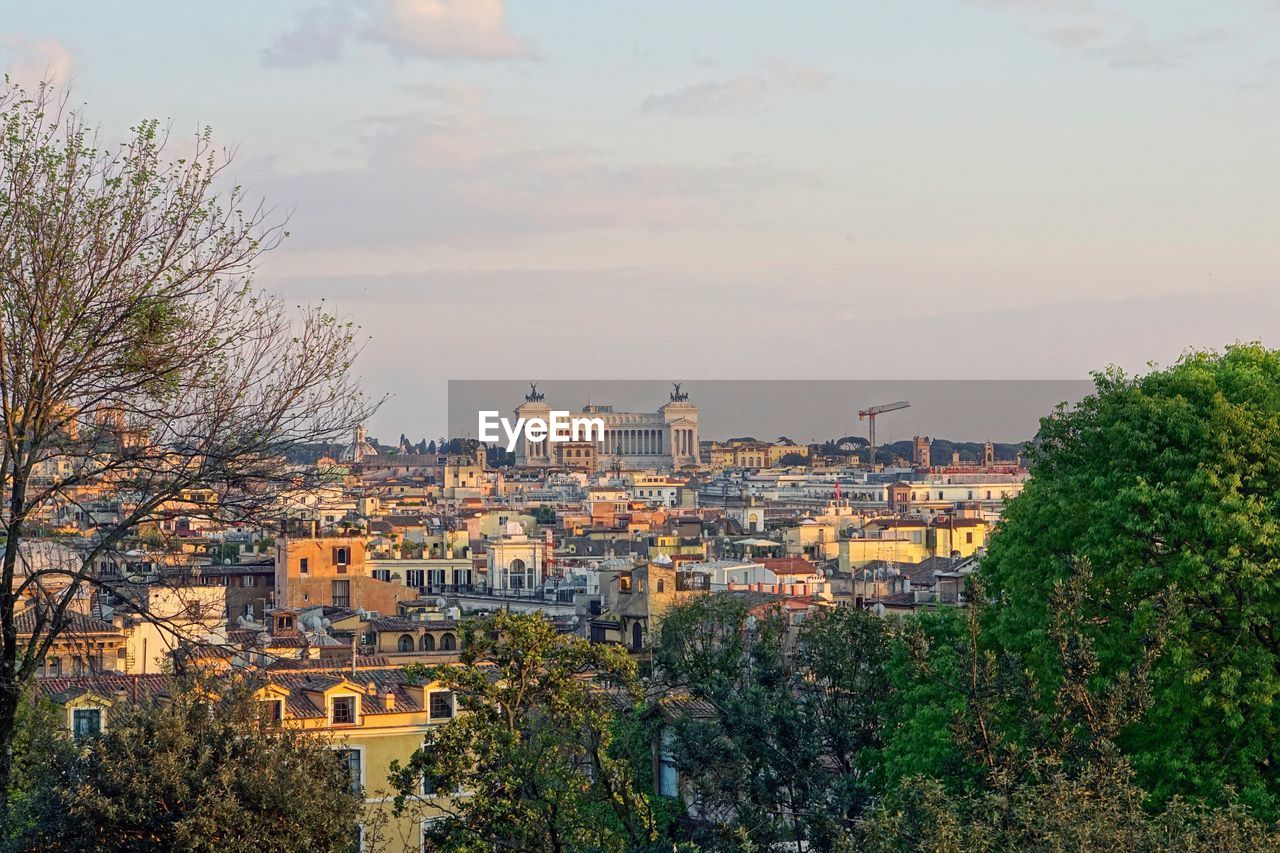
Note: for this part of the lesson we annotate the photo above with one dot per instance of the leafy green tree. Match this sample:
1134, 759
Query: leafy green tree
193, 772
35, 747
924, 671
790, 749
532, 746
1100, 809
544, 515
1169, 485
1042, 778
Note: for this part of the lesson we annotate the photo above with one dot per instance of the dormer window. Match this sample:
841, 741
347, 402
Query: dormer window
344, 710
86, 722
441, 705
272, 711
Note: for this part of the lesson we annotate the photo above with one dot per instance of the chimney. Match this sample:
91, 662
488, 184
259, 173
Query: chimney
390, 700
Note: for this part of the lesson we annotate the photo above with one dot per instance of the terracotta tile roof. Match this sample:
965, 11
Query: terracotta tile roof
404, 623
74, 624
299, 683
136, 687
788, 565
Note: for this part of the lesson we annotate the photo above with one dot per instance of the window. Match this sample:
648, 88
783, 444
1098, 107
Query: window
405, 643
428, 783
341, 556
448, 643
86, 721
414, 578
53, 667
667, 780
351, 761
968, 538
441, 705
517, 570
344, 710
661, 585
428, 643
272, 710
302, 566
247, 580
341, 593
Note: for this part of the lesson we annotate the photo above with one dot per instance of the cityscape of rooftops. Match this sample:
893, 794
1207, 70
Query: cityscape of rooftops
499, 425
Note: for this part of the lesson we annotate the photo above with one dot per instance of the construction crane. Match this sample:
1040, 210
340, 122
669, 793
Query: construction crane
869, 414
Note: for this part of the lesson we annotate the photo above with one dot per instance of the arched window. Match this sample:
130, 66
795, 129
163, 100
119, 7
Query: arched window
637, 636
428, 643
661, 585
517, 574
405, 644
448, 642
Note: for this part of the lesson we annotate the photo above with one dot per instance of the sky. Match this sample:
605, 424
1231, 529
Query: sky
726, 189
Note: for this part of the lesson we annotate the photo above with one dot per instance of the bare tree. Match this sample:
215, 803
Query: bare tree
139, 368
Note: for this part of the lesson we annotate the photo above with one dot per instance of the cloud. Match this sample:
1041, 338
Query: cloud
710, 98
33, 61
1140, 51
430, 29
736, 94
798, 75
434, 177
1119, 41
1076, 36
447, 29
450, 93
319, 35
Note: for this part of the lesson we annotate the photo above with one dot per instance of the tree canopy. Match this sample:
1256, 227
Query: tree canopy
789, 745
1168, 485
193, 771
532, 744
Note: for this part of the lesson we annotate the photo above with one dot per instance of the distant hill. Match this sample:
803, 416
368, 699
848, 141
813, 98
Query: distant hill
970, 451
